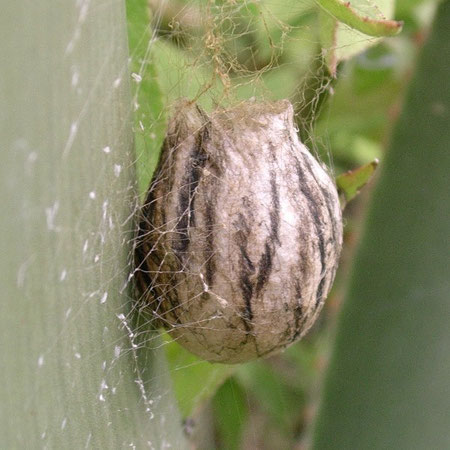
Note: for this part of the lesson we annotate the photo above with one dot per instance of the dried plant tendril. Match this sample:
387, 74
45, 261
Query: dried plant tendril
240, 234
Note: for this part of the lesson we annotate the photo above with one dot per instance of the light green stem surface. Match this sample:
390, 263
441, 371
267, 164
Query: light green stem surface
72, 373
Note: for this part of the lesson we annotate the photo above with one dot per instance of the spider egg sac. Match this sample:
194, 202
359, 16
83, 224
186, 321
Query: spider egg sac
241, 232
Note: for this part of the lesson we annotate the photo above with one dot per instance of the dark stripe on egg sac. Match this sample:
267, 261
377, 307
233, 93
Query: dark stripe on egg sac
319, 292
265, 262
334, 240
247, 270
186, 196
247, 293
304, 188
275, 211
299, 317
265, 267
209, 243
329, 202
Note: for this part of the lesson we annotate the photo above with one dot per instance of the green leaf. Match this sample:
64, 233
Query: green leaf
275, 396
150, 120
387, 384
350, 183
195, 380
348, 15
230, 412
345, 33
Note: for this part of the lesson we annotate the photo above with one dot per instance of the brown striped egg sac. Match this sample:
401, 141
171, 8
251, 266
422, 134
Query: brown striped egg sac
240, 234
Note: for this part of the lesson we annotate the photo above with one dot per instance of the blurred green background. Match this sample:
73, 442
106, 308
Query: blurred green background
220, 53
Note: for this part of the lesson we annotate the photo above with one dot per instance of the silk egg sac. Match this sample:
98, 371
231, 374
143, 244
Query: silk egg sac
240, 234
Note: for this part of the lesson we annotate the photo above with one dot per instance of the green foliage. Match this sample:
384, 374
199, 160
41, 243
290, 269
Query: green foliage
387, 385
149, 119
187, 370
272, 392
350, 183
344, 30
230, 412
347, 14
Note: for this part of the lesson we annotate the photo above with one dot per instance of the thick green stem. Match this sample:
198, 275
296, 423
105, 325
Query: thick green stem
72, 373
388, 381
